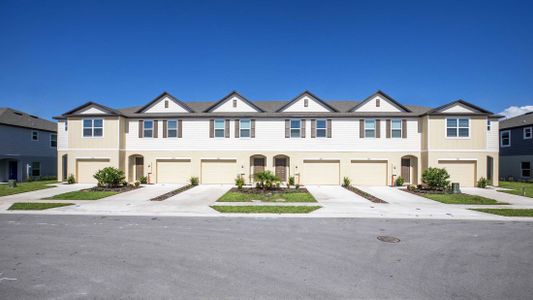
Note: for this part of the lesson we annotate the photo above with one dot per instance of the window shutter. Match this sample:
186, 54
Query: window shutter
387, 128
404, 128
237, 125
141, 128
155, 128
328, 128
226, 131
378, 128
127, 123
211, 128
362, 128
164, 129
252, 134
302, 128
287, 128
419, 125
180, 128
313, 128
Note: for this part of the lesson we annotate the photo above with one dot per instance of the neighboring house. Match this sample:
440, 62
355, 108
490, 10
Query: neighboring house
28, 146
318, 142
516, 147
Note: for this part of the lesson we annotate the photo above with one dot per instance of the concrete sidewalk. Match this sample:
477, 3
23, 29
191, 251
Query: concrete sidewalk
491, 193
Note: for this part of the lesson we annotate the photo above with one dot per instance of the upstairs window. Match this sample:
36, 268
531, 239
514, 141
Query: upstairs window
166, 103
148, 129
527, 133
457, 127
220, 128
488, 125
295, 128
172, 128
35, 135
245, 128
321, 128
306, 102
396, 128
234, 102
378, 103
370, 128
53, 140
36, 169
505, 138
93, 127
526, 168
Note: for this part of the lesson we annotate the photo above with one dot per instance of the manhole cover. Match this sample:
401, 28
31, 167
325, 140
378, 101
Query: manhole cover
388, 239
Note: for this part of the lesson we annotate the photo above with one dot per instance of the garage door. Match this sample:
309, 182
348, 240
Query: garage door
219, 171
86, 168
368, 172
173, 171
463, 172
321, 172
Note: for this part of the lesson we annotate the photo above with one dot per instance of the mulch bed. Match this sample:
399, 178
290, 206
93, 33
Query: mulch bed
121, 189
365, 194
272, 191
172, 193
421, 192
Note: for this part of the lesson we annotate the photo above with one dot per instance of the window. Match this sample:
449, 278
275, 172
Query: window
172, 128
526, 168
295, 128
234, 102
220, 128
36, 168
457, 127
35, 135
93, 127
166, 103
370, 128
306, 102
66, 125
396, 128
505, 138
53, 140
378, 103
321, 128
245, 128
527, 133
148, 128
488, 125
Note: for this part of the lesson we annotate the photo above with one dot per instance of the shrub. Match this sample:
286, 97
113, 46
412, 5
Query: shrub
346, 182
136, 183
71, 179
109, 177
266, 179
482, 182
400, 181
436, 178
29, 179
239, 182
194, 181
47, 178
143, 180
291, 181
297, 186
412, 187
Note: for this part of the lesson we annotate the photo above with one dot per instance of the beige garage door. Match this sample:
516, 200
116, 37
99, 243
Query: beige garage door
173, 171
86, 168
219, 171
321, 172
368, 172
463, 172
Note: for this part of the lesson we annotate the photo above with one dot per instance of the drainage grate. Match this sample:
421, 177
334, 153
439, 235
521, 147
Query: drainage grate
388, 239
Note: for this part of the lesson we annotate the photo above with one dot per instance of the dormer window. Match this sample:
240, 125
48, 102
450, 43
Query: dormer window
234, 102
378, 103
166, 103
306, 102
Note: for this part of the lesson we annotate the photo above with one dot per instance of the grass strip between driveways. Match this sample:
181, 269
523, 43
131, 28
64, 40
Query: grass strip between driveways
83, 195
459, 199
23, 187
252, 209
274, 197
516, 188
508, 212
36, 205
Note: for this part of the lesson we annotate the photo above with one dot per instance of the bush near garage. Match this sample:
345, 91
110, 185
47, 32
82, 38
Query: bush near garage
110, 177
436, 178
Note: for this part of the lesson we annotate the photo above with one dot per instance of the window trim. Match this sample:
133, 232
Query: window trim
92, 128
241, 128
458, 127
501, 139
392, 128
299, 128
31, 136
175, 128
325, 128
530, 133
53, 134
522, 169
33, 169
144, 129
375, 129
223, 129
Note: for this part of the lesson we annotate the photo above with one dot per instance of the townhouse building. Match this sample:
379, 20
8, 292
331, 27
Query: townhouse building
318, 142
516, 147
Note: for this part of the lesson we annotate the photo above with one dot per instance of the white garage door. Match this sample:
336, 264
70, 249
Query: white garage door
86, 168
219, 171
463, 172
173, 171
322, 172
368, 172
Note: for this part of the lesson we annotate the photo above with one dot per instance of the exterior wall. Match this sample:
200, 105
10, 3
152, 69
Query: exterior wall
480, 157
511, 166
242, 106
48, 166
313, 106
458, 108
159, 106
439, 141
519, 145
110, 139
493, 138
62, 135
384, 106
115, 159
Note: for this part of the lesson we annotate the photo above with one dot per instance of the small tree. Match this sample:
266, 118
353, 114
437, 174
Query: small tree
436, 178
109, 177
266, 179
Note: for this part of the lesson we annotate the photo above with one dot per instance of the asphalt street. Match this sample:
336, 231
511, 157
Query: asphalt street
80, 257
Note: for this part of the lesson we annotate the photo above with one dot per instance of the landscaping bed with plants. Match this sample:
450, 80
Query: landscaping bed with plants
517, 188
347, 185
36, 205
265, 209
193, 183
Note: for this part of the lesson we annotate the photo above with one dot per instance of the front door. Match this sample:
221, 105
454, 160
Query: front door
13, 170
406, 169
490, 166
139, 168
259, 165
281, 168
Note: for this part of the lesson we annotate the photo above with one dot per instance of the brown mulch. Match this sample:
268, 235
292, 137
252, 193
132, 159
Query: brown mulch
423, 191
257, 191
121, 189
365, 195
172, 193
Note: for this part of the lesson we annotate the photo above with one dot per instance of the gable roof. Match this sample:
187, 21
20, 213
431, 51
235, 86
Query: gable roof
382, 94
229, 96
12, 117
167, 94
439, 109
306, 92
111, 111
518, 121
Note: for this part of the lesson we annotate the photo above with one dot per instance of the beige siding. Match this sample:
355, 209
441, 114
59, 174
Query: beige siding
439, 141
110, 140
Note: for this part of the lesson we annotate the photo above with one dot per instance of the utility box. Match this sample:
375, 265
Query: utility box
12, 183
456, 188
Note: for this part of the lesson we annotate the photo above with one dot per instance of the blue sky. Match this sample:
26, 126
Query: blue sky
55, 55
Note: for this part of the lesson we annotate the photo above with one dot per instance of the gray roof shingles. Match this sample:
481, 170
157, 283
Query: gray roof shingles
9, 116
518, 121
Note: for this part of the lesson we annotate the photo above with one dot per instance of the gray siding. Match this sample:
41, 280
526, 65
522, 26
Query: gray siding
511, 166
519, 146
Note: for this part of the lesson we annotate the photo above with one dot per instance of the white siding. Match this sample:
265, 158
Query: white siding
92, 110
384, 106
493, 136
159, 106
242, 106
313, 106
458, 108
62, 136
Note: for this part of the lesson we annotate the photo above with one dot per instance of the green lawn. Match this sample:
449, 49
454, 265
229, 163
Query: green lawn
508, 212
82, 195
285, 197
461, 199
36, 206
23, 187
516, 186
265, 209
